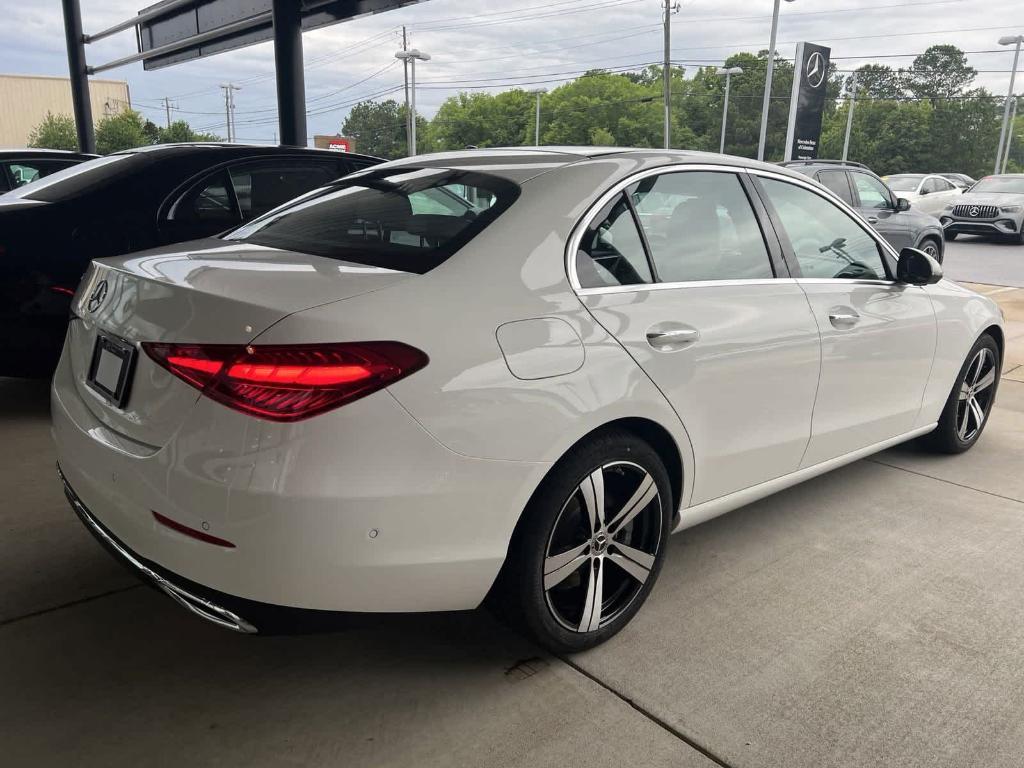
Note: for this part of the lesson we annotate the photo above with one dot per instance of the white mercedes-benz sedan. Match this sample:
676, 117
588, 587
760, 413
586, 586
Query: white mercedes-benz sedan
509, 372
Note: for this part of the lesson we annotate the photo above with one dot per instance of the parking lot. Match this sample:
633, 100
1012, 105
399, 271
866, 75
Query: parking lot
873, 616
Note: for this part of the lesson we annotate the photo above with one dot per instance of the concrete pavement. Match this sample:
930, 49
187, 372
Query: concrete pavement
870, 617
974, 259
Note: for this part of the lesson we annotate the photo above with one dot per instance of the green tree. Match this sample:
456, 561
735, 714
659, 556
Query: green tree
876, 81
485, 120
378, 128
124, 130
179, 132
940, 72
54, 132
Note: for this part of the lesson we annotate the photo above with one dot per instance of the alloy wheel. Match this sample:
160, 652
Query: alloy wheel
603, 546
975, 395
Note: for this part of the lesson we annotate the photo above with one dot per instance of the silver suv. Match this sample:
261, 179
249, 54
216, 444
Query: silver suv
994, 206
892, 216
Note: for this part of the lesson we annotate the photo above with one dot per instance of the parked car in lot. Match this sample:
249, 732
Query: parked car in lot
375, 400
51, 228
928, 193
962, 180
23, 166
994, 206
892, 216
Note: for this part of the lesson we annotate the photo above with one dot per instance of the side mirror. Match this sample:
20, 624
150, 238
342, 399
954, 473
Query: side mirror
902, 204
917, 268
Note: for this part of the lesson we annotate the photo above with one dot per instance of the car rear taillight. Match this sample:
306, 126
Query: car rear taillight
288, 383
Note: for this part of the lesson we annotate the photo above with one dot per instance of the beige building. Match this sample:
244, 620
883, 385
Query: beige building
25, 100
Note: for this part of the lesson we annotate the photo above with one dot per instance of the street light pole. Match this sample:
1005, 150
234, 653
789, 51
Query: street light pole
768, 80
536, 129
849, 115
1009, 135
728, 72
412, 55
1009, 40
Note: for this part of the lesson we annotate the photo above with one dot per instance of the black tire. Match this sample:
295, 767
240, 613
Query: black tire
556, 521
932, 247
952, 435
950, 236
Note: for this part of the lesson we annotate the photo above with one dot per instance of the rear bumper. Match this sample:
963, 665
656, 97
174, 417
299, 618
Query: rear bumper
355, 511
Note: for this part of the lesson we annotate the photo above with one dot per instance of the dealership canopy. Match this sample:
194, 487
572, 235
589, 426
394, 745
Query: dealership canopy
174, 31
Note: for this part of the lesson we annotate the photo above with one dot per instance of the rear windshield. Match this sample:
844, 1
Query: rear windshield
72, 181
398, 218
1010, 185
903, 183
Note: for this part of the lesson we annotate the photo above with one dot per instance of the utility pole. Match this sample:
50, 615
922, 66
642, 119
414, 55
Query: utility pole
405, 67
75, 41
167, 106
1009, 135
849, 116
1010, 40
728, 72
667, 72
229, 107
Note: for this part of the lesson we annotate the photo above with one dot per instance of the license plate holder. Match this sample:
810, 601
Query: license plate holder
110, 371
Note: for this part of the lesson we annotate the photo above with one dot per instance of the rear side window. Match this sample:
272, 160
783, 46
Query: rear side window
611, 251
405, 219
838, 183
700, 226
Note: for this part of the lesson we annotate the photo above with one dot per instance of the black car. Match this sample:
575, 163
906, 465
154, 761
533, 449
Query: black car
23, 166
892, 216
52, 228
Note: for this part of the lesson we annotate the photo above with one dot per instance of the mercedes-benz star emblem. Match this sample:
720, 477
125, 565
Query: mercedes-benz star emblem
974, 211
99, 293
814, 70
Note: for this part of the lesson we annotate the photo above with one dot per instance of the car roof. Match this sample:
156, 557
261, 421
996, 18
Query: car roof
522, 163
227, 149
11, 154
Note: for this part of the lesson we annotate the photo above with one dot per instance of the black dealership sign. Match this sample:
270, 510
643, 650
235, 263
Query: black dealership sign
810, 80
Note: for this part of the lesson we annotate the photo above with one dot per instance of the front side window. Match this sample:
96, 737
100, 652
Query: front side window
612, 251
872, 192
212, 202
380, 218
261, 186
826, 241
700, 226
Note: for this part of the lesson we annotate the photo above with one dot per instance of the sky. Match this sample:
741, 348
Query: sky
477, 45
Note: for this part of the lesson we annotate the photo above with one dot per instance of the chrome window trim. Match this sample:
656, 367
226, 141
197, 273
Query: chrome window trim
644, 287
588, 217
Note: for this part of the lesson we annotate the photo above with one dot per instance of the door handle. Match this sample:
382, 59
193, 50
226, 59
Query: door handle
672, 338
843, 317
872, 219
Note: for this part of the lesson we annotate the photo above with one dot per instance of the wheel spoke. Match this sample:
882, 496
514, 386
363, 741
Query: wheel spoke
591, 618
557, 568
635, 562
964, 421
977, 412
982, 357
645, 493
986, 381
592, 489
965, 391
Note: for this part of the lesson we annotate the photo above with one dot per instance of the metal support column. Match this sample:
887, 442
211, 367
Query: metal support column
291, 85
79, 76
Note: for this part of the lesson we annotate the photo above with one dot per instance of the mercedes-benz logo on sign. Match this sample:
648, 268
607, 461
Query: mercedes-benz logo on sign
974, 211
814, 70
99, 293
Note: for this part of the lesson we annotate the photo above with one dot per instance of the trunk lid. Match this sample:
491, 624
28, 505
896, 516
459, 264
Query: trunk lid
203, 292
